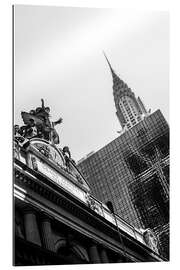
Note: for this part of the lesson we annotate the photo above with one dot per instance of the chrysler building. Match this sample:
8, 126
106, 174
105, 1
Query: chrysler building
130, 110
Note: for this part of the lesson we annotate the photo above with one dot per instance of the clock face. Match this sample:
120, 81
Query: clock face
49, 151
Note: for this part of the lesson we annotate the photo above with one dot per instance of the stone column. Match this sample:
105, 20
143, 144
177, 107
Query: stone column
31, 227
93, 254
103, 255
47, 236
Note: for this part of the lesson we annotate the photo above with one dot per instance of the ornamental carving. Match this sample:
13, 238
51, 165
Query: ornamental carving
93, 204
151, 240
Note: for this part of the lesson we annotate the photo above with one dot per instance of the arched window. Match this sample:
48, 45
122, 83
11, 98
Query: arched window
72, 251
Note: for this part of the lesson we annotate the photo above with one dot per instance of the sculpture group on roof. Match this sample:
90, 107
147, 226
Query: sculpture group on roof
38, 125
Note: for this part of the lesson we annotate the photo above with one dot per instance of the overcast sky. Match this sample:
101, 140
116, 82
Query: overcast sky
58, 57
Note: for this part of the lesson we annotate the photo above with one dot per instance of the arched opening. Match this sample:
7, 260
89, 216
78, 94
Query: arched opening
74, 253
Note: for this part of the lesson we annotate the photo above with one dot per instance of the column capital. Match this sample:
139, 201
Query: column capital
28, 209
45, 216
92, 242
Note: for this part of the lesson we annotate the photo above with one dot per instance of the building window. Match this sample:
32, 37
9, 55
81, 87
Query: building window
136, 165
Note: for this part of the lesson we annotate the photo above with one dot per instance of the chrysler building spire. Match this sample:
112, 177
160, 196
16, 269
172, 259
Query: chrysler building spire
130, 110
116, 79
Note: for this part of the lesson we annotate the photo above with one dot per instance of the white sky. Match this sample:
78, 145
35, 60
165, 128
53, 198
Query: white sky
58, 57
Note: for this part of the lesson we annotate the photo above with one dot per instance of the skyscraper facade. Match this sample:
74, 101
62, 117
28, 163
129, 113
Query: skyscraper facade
133, 170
